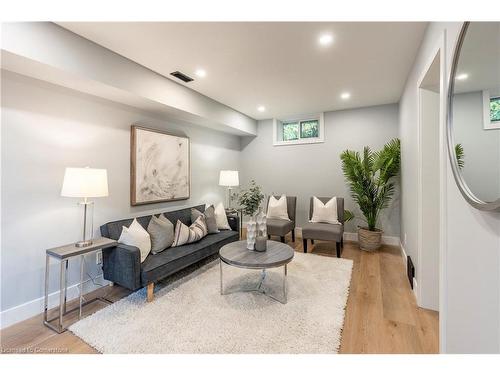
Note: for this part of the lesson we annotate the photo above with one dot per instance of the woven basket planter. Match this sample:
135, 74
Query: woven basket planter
369, 240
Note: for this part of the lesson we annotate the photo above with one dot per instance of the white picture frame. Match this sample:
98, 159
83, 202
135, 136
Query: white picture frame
487, 123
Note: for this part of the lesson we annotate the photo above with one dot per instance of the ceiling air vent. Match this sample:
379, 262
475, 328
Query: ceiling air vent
181, 76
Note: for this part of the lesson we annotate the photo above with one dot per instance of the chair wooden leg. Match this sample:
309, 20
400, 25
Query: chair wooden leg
338, 249
293, 235
304, 242
150, 289
282, 239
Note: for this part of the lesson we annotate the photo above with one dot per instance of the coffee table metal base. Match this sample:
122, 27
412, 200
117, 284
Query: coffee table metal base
260, 285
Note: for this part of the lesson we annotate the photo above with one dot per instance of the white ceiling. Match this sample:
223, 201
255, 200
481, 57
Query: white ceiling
480, 58
276, 64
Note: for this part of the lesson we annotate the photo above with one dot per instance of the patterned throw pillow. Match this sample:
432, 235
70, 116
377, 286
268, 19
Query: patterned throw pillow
184, 234
210, 219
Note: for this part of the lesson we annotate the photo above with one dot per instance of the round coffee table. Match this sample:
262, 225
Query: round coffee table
277, 254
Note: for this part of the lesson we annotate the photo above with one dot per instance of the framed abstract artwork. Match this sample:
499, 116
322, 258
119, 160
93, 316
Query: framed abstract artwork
159, 166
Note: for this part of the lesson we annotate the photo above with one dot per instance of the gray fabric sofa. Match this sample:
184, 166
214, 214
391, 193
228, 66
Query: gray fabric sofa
121, 264
325, 231
280, 227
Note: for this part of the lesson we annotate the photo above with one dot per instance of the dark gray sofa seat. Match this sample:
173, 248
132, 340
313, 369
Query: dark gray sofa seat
121, 264
156, 267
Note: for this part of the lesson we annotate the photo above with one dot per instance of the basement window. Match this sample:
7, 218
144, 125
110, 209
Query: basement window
300, 130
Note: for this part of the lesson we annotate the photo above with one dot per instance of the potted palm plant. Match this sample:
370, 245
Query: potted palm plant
370, 177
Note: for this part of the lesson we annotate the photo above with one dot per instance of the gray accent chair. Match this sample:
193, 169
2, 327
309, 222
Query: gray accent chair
281, 227
325, 231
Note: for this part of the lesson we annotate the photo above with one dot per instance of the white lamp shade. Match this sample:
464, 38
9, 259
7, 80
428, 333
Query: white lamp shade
85, 183
229, 178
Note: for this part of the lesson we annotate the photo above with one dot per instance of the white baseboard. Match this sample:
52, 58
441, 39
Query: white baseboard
31, 308
403, 251
349, 236
386, 240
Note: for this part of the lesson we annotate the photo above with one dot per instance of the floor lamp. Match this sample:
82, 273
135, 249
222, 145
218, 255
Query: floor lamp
229, 179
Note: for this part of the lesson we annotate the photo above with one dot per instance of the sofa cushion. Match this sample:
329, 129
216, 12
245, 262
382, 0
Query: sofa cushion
277, 208
195, 232
114, 229
161, 231
136, 235
279, 227
158, 266
210, 219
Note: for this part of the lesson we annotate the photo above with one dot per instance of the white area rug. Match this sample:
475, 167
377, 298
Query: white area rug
190, 316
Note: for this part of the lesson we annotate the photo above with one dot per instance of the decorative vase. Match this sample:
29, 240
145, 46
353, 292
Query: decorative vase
261, 243
262, 223
369, 240
251, 233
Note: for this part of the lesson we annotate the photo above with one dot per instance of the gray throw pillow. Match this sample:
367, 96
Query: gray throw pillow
161, 231
209, 218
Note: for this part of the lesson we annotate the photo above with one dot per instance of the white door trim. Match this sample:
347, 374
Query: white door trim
439, 48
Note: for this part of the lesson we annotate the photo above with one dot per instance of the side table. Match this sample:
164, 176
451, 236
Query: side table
238, 212
63, 254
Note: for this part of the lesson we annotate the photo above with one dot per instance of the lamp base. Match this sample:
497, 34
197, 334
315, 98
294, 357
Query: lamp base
83, 243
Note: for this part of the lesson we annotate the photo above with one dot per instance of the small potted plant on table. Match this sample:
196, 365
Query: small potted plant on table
250, 201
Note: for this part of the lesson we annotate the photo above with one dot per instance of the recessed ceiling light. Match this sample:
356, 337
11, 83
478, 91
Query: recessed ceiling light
325, 39
200, 73
345, 95
462, 76
261, 108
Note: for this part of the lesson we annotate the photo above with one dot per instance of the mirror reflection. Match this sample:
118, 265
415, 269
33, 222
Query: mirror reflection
476, 110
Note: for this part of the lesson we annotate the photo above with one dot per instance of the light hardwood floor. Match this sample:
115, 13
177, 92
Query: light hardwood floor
381, 314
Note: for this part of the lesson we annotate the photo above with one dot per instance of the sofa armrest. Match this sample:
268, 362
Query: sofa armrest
122, 265
234, 222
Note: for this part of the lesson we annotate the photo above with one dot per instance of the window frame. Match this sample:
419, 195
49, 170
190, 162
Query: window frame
278, 128
487, 123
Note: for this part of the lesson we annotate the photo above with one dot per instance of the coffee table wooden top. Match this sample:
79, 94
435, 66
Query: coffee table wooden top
237, 254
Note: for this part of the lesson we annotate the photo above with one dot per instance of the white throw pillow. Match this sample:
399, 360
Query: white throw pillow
220, 217
325, 213
277, 208
136, 235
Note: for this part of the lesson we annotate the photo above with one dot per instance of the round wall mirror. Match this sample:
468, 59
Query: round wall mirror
474, 114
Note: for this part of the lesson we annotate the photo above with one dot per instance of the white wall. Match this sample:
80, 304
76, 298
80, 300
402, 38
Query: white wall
428, 271
315, 169
470, 260
46, 128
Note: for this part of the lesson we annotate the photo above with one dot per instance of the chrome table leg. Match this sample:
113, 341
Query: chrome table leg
285, 292
65, 284
221, 286
82, 261
46, 298
62, 296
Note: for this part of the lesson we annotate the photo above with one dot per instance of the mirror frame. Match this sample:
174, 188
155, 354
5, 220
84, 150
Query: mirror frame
459, 179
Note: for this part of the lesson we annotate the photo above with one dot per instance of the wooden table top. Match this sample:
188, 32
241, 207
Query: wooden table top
68, 251
237, 254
